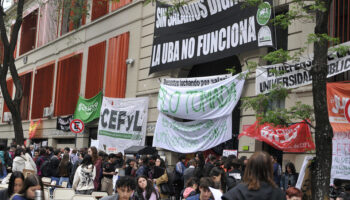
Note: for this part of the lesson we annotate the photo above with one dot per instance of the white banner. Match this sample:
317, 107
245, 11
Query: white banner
295, 74
189, 137
341, 156
122, 122
201, 102
194, 82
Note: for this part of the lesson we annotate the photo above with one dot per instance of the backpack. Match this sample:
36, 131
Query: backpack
45, 167
170, 190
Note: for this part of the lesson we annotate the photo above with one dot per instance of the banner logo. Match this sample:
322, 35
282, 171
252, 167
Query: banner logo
264, 13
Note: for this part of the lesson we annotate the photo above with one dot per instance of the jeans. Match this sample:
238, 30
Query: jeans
64, 179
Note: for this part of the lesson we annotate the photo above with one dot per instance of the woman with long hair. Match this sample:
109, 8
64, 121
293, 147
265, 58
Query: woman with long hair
258, 183
290, 177
64, 169
31, 183
97, 161
145, 189
219, 177
160, 176
83, 182
15, 185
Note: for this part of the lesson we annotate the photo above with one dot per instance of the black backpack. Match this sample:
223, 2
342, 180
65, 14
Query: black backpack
45, 167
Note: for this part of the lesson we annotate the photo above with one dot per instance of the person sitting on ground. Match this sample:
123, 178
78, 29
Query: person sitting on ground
145, 189
205, 193
31, 183
293, 193
15, 185
258, 182
125, 187
191, 188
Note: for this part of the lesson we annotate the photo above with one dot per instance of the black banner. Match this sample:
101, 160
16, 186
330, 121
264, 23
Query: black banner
63, 123
208, 30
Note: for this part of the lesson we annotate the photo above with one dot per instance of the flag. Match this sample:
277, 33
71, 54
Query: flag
32, 128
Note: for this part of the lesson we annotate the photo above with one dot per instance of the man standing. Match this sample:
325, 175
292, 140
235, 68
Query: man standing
179, 173
277, 170
189, 172
108, 173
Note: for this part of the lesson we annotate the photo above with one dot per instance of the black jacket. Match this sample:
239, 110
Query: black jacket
266, 192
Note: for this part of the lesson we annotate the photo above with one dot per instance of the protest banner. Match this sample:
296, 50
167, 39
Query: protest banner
302, 171
206, 30
123, 122
63, 123
88, 109
193, 136
294, 138
199, 103
227, 152
338, 96
296, 74
194, 82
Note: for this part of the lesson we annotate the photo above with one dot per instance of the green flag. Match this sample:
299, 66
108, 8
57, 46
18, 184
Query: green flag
88, 109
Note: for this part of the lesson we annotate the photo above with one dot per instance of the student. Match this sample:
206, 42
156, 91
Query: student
84, 177
191, 188
108, 173
124, 189
15, 185
64, 170
204, 190
31, 183
258, 182
92, 151
145, 189
290, 177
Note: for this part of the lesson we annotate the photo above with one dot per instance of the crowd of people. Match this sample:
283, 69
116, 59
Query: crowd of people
146, 177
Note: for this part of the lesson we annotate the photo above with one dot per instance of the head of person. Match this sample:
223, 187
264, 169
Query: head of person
204, 185
112, 158
92, 151
290, 168
31, 183
125, 187
160, 163
87, 160
15, 183
57, 152
31, 147
182, 158
42, 152
132, 162
243, 160
66, 150
259, 169
274, 158
2, 147
192, 162
293, 193
192, 182
212, 158
215, 174
36, 153
145, 185
19, 152
236, 164
143, 160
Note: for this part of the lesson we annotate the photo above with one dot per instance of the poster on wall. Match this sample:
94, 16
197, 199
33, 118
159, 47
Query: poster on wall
122, 123
88, 109
206, 30
63, 123
338, 100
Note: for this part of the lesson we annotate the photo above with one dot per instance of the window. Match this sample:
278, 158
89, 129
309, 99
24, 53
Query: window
68, 84
95, 69
74, 15
43, 84
47, 22
339, 20
99, 8
28, 34
118, 4
9, 83
26, 80
116, 66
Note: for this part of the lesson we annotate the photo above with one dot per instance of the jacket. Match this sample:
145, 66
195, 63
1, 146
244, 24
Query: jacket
30, 164
19, 163
288, 180
162, 179
84, 178
266, 192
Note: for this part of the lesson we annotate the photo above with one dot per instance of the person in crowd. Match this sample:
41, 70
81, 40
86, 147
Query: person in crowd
119, 163
29, 163
40, 161
14, 186
3, 170
84, 176
191, 188
205, 193
49, 152
199, 170
258, 183
290, 177
12, 151
143, 167
64, 170
125, 188
5, 156
160, 176
36, 155
19, 160
293, 193
75, 166
131, 168
66, 150
209, 165
145, 189
189, 172
31, 150
53, 166
31, 183
233, 173
108, 171
92, 151
73, 157
244, 162
219, 178
179, 175
277, 170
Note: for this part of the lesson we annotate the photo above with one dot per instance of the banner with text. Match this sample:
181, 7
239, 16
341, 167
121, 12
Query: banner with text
88, 109
338, 100
294, 138
194, 82
123, 122
198, 103
293, 75
190, 137
208, 30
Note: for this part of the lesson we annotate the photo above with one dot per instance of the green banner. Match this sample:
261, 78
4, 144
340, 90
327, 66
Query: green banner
88, 109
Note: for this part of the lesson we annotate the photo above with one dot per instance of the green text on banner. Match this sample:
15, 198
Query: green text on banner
88, 109
123, 122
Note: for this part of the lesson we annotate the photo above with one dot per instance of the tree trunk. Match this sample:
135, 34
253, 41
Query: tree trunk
323, 132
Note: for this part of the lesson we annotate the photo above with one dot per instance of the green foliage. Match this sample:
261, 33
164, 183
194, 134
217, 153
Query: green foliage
279, 56
341, 50
313, 37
